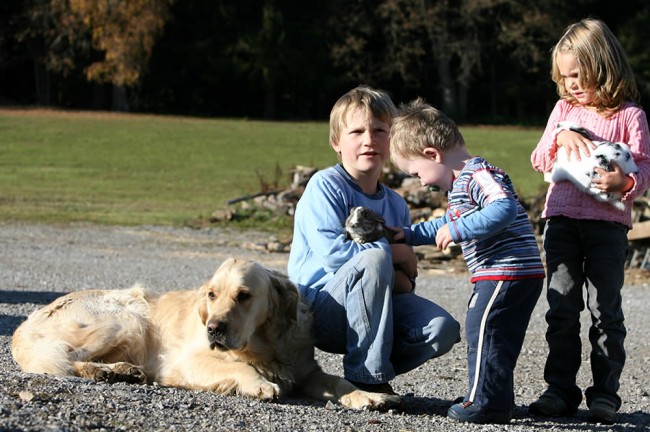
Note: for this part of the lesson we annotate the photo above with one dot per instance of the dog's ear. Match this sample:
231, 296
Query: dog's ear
202, 301
284, 295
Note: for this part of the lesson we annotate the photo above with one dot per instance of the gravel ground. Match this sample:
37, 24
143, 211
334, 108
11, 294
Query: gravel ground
38, 263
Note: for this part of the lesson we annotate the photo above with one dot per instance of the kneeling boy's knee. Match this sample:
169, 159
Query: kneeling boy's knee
375, 257
447, 336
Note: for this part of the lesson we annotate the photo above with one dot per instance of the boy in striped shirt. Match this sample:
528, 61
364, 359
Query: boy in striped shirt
485, 217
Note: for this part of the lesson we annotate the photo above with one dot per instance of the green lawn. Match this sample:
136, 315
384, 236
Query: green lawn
138, 169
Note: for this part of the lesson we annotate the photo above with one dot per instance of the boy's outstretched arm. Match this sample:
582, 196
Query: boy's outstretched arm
485, 222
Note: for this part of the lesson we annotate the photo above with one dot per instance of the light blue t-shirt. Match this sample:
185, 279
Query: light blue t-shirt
319, 245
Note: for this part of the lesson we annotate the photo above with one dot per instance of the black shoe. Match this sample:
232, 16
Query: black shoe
602, 410
375, 388
551, 405
475, 414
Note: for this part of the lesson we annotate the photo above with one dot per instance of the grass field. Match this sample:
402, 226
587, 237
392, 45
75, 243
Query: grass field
140, 169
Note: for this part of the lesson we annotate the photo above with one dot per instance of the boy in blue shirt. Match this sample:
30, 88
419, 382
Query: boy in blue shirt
485, 217
361, 295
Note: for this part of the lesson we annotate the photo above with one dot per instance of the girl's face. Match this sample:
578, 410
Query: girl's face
363, 145
569, 69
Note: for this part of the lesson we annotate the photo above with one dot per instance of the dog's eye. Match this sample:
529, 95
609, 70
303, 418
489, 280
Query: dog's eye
243, 296
211, 295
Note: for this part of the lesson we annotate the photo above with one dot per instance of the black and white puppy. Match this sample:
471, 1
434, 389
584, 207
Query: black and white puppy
582, 172
365, 226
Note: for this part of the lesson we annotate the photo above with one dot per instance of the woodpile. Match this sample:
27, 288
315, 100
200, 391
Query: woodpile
424, 205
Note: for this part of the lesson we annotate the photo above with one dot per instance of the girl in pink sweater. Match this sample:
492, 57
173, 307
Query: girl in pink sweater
585, 240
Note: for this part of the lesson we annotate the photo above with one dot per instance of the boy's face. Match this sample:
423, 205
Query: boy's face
429, 169
363, 145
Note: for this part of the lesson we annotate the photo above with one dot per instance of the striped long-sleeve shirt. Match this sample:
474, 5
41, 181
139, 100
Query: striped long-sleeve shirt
485, 217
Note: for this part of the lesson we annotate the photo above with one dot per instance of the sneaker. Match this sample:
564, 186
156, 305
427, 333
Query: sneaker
474, 414
550, 405
375, 388
603, 411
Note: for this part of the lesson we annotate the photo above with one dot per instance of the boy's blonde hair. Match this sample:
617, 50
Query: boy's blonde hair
417, 126
377, 103
603, 65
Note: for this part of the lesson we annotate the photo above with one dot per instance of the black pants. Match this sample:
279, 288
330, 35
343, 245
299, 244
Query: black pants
590, 254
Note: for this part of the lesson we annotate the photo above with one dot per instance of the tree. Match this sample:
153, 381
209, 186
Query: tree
450, 39
125, 31
52, 39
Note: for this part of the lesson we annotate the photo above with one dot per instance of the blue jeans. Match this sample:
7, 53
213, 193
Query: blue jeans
589, 254
379, 333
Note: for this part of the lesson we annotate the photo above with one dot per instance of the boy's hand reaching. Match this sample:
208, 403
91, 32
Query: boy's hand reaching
443, 237
398, 236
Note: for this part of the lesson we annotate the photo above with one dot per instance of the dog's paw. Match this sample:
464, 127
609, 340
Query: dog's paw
359, 399
112, 373
128, 373
261, 389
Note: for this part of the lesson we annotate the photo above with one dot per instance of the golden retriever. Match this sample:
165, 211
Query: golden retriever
246, 331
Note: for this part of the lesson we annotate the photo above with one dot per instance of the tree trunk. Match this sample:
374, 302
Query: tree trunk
42, 84
463, 91
269, 101
120, 100
447, 90
493, 91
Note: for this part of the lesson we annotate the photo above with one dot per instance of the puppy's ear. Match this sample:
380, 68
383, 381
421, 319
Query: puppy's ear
286, 295
202, 302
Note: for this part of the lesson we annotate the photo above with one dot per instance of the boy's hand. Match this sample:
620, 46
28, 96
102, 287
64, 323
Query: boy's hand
398, 236
443, 237
402, 283
404, 259
614, 181
573, 142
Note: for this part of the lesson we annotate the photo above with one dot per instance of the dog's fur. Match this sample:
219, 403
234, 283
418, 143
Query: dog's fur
581, 172
365, 226
246, 331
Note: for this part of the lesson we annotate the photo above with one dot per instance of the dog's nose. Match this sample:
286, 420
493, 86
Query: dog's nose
217, 328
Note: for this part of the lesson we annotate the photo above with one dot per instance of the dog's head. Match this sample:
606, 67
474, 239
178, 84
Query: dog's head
241, 298
365, 226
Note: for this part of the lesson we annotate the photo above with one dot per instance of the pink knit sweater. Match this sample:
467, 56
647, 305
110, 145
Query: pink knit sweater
628, 125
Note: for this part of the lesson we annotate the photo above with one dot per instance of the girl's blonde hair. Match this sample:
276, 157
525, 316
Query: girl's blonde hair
417, 126
603, 65
377, 103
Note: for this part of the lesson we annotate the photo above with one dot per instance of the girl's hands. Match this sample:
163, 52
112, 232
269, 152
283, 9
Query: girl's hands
614, 181
573, 142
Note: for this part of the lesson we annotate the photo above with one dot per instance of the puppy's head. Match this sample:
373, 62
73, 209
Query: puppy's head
241, 298
364, 226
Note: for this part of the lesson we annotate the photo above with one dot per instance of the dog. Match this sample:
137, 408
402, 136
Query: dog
246, 331
365, 226
582, 172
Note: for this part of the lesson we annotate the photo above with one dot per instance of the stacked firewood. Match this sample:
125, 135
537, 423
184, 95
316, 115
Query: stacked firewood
423, 204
